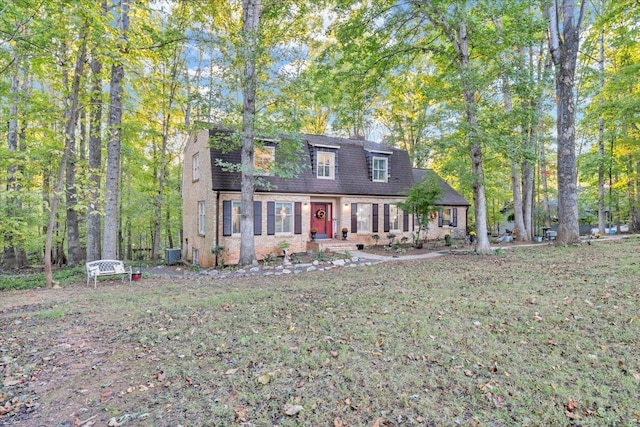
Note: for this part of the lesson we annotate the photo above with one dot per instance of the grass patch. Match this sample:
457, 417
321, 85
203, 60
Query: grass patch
535, 336
37, 280
53, 314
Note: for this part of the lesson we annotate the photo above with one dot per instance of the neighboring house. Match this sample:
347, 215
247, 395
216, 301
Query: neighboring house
346, 183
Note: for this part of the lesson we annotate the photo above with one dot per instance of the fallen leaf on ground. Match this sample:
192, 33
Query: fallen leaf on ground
292, 410
241, 414
570, 409
264, 379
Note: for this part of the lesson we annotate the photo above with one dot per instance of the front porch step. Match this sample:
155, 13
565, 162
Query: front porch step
332, 245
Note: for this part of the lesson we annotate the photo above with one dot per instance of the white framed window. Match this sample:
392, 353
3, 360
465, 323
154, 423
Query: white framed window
363, 214
202, 217
195, 255
263, 158
326, 165
195, 167
394, 217
379, 169
284, 217
235, 217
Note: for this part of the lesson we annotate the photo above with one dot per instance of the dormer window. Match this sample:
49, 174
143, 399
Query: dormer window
326, 165
379, 169
263, 159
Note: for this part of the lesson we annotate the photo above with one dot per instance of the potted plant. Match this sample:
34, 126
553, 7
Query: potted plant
447, 238
313, 231
345, 230
375, 237
472, 236
137, 274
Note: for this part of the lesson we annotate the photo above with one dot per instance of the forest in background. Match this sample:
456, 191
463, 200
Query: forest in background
98, 98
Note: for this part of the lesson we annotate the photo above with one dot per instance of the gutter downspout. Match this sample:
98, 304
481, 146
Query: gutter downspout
217, 225
466, 220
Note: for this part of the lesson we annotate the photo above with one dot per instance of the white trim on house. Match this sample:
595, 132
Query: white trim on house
378, 151
313, 144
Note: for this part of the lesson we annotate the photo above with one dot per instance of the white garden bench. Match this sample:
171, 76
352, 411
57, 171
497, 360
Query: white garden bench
106, 267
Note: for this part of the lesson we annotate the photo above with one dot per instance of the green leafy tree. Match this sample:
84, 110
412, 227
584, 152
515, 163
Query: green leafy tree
421, 201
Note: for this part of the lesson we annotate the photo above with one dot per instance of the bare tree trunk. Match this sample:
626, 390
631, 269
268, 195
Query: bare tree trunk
601, 213
635, 219
94, 216
564, 52
458, 37
110, 236
166, 125
9, 259
251, 14
73, 230
514, 148
72, 118
95, 161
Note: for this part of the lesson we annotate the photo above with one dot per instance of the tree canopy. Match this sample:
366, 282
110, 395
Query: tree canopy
110, 91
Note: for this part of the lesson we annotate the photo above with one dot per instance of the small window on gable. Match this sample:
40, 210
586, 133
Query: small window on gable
379, 169
263, 159
195, 166
326, 165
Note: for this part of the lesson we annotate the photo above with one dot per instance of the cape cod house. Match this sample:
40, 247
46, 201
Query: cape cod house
347, 184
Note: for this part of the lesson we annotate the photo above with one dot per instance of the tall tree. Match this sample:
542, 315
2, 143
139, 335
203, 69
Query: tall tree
95, 151
251, 11
71, 117
110, 235
71, 122
564, 41
453, 24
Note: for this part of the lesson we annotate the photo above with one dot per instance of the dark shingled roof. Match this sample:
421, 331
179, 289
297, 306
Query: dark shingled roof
449, 196
352, 176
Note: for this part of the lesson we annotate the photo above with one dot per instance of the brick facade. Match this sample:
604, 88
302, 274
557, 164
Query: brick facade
197, 244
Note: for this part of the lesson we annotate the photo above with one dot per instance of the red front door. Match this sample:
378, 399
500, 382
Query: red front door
321, 219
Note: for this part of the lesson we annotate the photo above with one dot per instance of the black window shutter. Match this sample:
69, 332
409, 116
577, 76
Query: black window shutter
374, 214
257, 218
440, 217
226, 217
454, 217
354, 217
297, 219
405, 221
271, 218
386, 218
